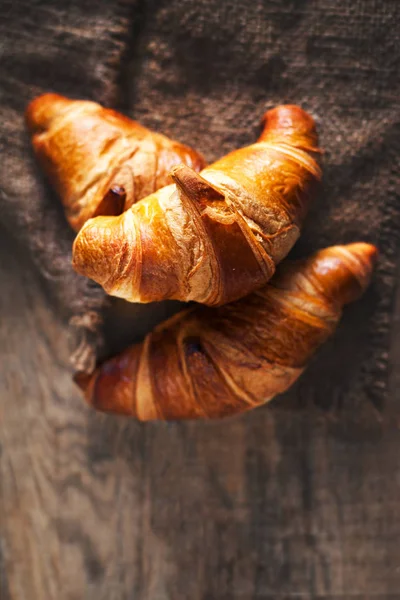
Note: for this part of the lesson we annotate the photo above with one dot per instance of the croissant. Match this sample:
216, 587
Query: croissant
99, 161
212, 363
213, 237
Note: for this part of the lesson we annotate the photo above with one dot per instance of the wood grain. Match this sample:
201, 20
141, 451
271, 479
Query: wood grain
277, 504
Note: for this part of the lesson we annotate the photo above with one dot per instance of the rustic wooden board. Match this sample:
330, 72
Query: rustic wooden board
277, 504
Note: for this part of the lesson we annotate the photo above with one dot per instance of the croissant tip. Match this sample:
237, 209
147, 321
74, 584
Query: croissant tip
42, 109
97, 244
346, 270
368, 252
290, 120
287, 114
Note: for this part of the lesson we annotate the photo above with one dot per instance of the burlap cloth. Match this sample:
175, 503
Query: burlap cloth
204, 72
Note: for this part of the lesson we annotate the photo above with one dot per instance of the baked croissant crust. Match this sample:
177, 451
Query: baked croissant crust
212, 363
214, 237
99, 161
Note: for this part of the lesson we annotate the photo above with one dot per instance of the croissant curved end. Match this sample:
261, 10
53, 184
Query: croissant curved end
108, 389
367, 256
344, 272
293, 122
105, 249
43, 109
92, 251
367, 253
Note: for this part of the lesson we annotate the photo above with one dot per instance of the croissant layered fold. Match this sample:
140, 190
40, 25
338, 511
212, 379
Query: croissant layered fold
212, 363
99, 161
211, 237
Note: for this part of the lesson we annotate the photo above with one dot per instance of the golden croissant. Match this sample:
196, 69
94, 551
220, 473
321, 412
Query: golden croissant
212, 363
99, 161
214, 237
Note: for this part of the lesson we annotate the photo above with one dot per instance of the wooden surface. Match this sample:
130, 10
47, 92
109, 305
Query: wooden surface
277, 504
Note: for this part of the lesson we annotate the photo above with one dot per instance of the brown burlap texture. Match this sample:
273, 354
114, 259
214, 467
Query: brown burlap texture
204, 72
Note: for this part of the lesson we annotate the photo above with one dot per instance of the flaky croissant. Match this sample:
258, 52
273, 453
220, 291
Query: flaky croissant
99, 161
212, 363
213, 237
